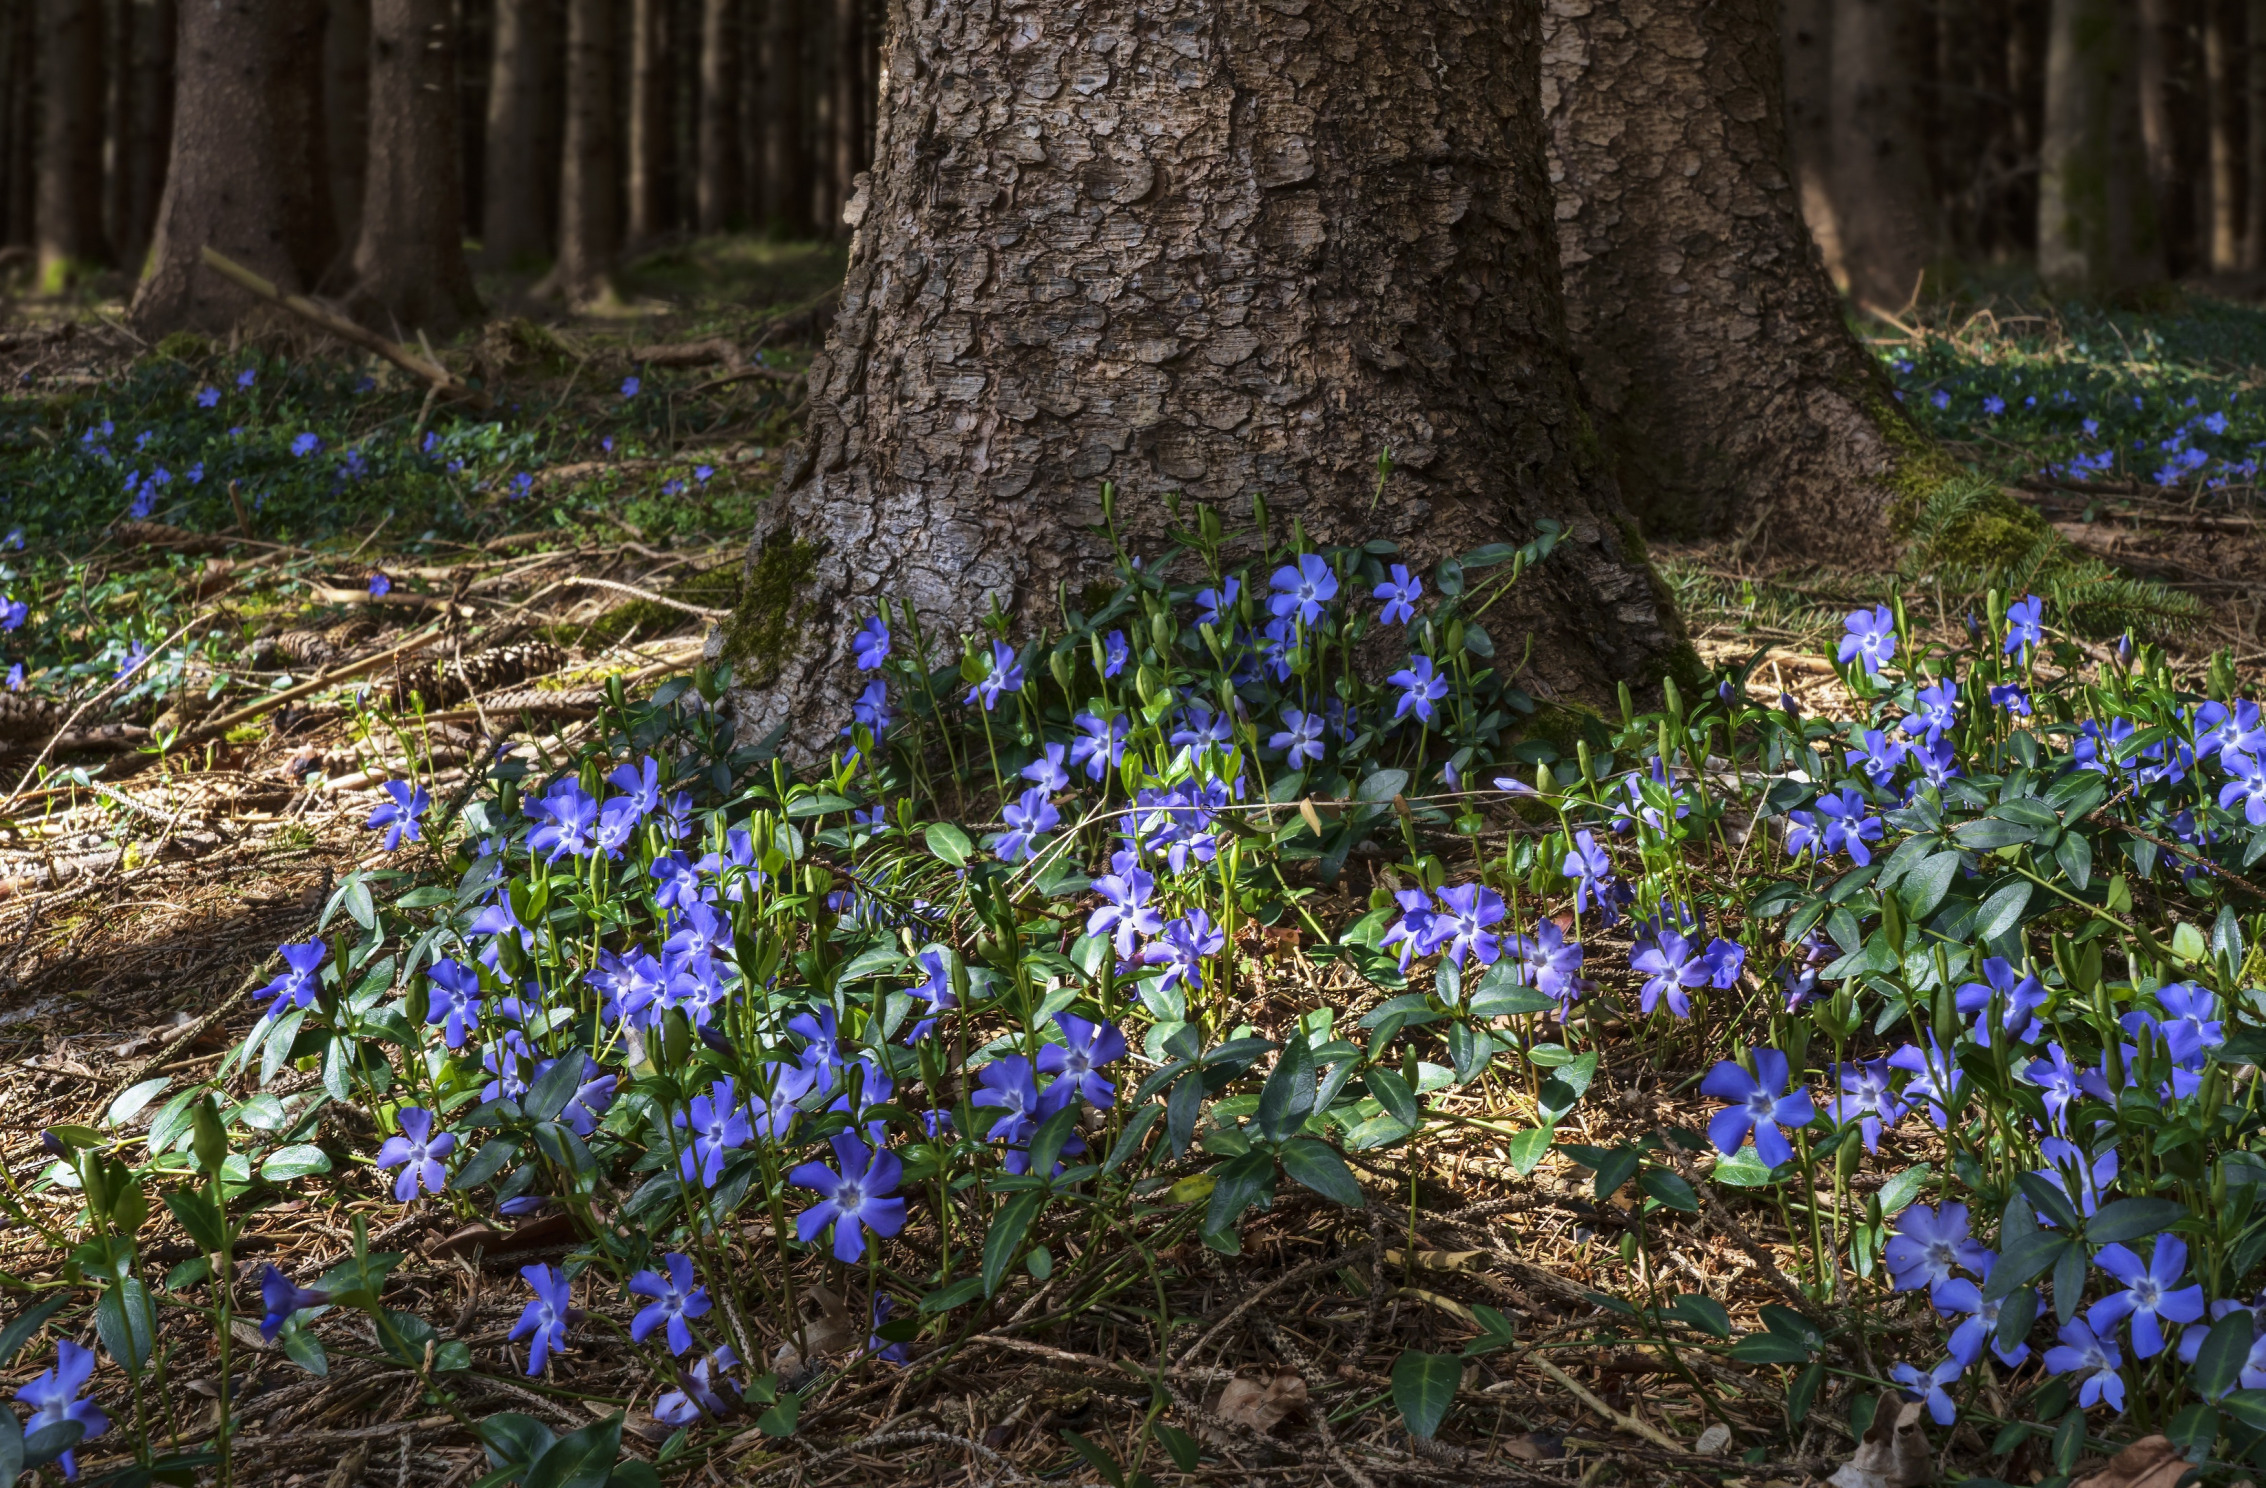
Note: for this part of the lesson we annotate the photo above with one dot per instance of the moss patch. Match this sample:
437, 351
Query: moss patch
184, 346
716, 588
1562, 725
768, 614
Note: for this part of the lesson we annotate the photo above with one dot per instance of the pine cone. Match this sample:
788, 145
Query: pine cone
24, 717
441, 682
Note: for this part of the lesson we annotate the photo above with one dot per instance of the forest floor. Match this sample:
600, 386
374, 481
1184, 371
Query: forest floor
207, 528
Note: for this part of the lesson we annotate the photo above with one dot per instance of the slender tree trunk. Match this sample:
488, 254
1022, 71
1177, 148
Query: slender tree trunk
2096, 218
853, 149
229, 184
523, 172
409, 269
70, 140
117, 149
1727, 390
2154, 31
2026, 89
589, 205
717, 190
2254, 202
303, 117
346, 110
2224, 161
648, 122
786, 157
1880, 179
1376, 270
754, 105
149, 125
18, 174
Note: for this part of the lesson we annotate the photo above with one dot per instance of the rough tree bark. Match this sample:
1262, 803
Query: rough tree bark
1214, 249
19, 125
150, 121
346, 110
716, 188
2254, 147
70, 139
2222, 246
1881, 199
311, 220
230, 182
519, 200
408, 267
754, 102
648, 122
1728, 392
2152, 40
2096, 217
588, 202
786, 159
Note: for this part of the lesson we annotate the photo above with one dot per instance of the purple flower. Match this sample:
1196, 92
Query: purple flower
453, 1000
295, 988
207, 397
1550, 963
1592, 872
1959, 1295
398, 819
879, 1347
1879, 756
2058, 1078
53, 1398
1100, 746
1928, 1245
936, 991
2023, 627
1871, 637
2187, 1026
1181, 948
1046, 771
12, 613
1934, 709
2081, 1352
2017, 998
1011, 1088
1400, 594
630, 385
1028, 818
1414, 932
1201, 726
1670, 962
1420, 689
1125, 910
2012, 698
1303, 590
1845, 827
871, 643
568, 814
697, 1390
676, 1298
1760, 1103
1116, 651
545, 1321
1866, 1099
1076, 1062
283, 1301
306, 444
2152, 1293
417, 1152
852, 1201
1006, 675
2064, 1157
1935, 1077
1212, 603
717, 1123
1931, 1388
380, 585
1301, 735
1461, 925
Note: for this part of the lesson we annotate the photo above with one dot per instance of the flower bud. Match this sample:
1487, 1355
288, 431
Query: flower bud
210, 1139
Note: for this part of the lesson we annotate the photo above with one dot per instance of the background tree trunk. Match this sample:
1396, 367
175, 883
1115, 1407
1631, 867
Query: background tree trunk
1805, 30
229, 183
2155, 33
2254, 161
19, 124
346, 110
1067, 276
149, 125
2223, 241
2096, 219
297, 93
1728, 392
717, 190
786, 157
520, 202
852, 145
70, 139
588, 203
409, 270
1882, 203
648, 122
754, 107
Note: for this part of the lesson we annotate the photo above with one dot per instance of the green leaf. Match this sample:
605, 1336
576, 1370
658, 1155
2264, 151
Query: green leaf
1924, 886
130, 1101
2048, 1197
1381, 785
1804, 1393
1178, 1445
580, 1459
2218, 1364
2024, 1257
1287, 1099
1672, 1191
2075, 855
11, 1449
2127, 1220
1770, 1348
2002, 911
1097, 1459
957, 1294
948, 842
1616, 1168
1703, 1313
1424, 1386
359, 904
1313, 1164
2015, 1315
1129, 1140
818, 805
199, 1216
1393, 1094
303, 1348
1526, 1150
2248, 1407
1989, 832
19, 1332
1242, 1182
1897, 1194
52, 1441
780, 1419
126, 1323
1006, 1238
485, 1164
1046, 1142
550, 1095
287, 1163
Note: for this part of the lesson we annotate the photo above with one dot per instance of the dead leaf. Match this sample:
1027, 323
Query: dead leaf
1438, 1260
1713, 1440
830, 1333
2151, 1462
1536, 1446
1894, 1453
1448, 1305
1262, 1405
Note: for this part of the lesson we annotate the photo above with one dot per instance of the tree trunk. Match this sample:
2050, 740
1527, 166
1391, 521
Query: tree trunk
648, 122
1247, 256
229, 183
149, 126
786, 157
70, 139
1881, 198
2155, 32
303, 119
2254, 203
19, 126
523, 172
1729, 395
754, 105
2096, 217
2223, 246
588, 203
717, 188
853, 148
346, 111
409, 270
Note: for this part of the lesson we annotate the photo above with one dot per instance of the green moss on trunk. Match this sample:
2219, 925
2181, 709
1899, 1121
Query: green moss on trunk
771, 610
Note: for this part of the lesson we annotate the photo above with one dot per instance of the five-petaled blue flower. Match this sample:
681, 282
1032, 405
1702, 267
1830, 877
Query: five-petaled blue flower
2084, 1353
295, 988
1301, 735
1759, 1103
1871, 638
417, 1152
1006, 675
1302, 590
1929, 1245
1420, 689
54, 1399
1931, 1387
2152, 1294
2024, 623
675, 1296
545, 1321
398, 818
1078, 1059
1029, 817
283, 1301
851, 1201
453, 1000
306, 444
871, 643
1400, 594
